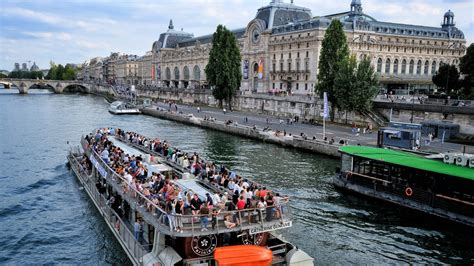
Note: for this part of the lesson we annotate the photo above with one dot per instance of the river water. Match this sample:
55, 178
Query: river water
46, 218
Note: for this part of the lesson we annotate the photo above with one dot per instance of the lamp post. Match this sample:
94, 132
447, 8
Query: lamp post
412, 105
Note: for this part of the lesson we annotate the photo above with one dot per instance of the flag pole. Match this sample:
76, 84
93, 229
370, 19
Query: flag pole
324, 127
325, 113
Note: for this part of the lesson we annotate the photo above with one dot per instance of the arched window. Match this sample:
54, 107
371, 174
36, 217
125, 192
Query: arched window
197, 73
395, 66
404, 66
379, 65
433, 68
168, 73
411, 67
427, 66
418, 67
176, 73
186, 73
387, 66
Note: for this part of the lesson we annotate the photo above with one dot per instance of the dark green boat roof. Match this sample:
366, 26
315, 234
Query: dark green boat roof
408, 160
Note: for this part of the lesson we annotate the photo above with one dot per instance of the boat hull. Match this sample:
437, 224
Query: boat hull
341, 182
124, 112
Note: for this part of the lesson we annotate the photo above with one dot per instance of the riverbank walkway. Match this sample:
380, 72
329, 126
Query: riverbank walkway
335, 132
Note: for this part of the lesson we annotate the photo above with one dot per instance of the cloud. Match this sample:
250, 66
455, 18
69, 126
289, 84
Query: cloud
49, 36
32, 15
72, 31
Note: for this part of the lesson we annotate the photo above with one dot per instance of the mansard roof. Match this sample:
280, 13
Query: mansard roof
172, 37
278, 13
205, 39
281, 18
368, 23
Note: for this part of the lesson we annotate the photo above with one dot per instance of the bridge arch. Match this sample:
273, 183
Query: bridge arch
58, 86
76, 88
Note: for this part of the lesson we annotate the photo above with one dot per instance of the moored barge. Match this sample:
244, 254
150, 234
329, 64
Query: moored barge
410, 180
143, 216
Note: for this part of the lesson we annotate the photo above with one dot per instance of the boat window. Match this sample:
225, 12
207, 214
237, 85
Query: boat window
346, 163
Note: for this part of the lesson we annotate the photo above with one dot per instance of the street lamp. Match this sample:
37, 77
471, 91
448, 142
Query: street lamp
412, 103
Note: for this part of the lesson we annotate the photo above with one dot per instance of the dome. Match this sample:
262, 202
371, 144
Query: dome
279, 13
449, 14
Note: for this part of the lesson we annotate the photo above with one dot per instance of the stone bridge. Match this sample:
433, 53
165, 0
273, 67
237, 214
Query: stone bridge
58, 86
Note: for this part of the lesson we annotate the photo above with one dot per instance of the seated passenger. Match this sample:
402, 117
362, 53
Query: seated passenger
228, 222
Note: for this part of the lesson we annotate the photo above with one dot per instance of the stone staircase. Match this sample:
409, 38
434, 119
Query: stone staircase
379, 119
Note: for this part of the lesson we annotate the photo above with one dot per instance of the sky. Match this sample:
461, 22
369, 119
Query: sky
73, 31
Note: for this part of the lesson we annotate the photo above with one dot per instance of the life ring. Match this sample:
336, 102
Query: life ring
408, 192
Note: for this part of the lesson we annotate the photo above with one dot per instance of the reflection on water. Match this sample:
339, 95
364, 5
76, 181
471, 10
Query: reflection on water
46, 217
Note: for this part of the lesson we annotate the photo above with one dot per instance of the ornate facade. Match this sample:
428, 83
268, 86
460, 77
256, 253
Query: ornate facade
280, 50
126, 70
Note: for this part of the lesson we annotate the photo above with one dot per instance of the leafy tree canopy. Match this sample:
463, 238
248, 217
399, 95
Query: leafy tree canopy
447, 78
26, 74
356, 85
59, 72
223, 71
334, 52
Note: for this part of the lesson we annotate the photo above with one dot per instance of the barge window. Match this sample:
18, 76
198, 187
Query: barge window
371, 168
346, 163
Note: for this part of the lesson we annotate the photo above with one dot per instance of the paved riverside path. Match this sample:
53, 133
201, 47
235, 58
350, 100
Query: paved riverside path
332, 131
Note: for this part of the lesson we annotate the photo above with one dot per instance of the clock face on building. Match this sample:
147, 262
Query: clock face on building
255, 35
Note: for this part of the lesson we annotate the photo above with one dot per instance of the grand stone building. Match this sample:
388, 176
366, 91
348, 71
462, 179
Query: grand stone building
280, 49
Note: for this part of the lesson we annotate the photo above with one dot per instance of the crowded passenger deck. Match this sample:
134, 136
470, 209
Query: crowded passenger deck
182, 191
150, 184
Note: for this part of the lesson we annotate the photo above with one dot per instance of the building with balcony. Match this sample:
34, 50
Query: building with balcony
145, 70
281, 46
126, 70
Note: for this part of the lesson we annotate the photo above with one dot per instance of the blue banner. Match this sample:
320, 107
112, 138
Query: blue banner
326, 106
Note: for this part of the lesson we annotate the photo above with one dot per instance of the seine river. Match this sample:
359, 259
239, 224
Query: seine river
46, 218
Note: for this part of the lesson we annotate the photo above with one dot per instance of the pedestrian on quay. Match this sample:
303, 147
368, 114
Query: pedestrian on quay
224, 110
430, 138
199, 109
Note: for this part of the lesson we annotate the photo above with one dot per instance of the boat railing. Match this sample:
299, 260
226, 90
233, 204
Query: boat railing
128, 239
416, 194
265, 218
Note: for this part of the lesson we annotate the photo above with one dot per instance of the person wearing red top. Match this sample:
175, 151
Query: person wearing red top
263, 192
241, 203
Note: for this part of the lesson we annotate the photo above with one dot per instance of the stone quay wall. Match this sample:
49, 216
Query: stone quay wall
304, 107
315, 146
307, 108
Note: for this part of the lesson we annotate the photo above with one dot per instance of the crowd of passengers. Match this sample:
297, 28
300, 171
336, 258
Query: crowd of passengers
160, 188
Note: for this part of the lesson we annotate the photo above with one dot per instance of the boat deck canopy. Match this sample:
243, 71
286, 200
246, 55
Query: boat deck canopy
408, 160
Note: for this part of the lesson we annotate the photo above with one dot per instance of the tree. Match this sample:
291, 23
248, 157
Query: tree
60, 72
223, 71
53, 70
466, 66
366, 85
356, 85
447, 78
333, 52
345, 82
69, 73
